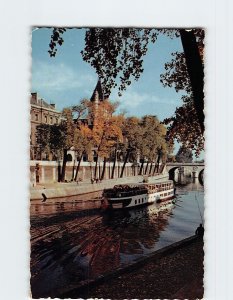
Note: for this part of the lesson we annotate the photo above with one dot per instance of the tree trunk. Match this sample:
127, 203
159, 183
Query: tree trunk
141, 168
151, 165
96, 166
73, 169
158, 161
63, 172
147, 164
104, 168
114, 163
125, 161
154, 171
196, 73
78, 167
134, 170
59, 172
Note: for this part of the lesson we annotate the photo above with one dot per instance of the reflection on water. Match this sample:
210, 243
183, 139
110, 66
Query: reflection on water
72, 203
74, 245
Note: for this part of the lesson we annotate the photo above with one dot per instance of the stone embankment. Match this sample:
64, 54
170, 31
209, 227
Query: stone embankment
61, 190
174, 272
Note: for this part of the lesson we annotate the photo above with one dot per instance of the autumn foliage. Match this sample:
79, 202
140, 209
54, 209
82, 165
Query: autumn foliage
96, 130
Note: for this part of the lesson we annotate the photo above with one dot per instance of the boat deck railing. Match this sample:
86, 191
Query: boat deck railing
124, 193
119, 194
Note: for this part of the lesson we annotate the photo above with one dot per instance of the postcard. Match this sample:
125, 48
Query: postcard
117, 163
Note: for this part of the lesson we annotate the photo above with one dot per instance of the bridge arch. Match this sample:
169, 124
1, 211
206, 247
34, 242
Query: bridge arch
171, 173
200, 176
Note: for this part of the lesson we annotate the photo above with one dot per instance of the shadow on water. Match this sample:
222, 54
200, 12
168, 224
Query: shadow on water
70, 247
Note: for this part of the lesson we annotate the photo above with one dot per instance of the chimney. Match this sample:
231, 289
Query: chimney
34, 97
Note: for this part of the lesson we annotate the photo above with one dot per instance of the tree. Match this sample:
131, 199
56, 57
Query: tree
118, 53
68, 127
154, 144
184, 127
177, 76
184, 155
195, 70
70, 119
132, 133
51, 140
83, 143
144, 138
82, 135
43, 139
106, 130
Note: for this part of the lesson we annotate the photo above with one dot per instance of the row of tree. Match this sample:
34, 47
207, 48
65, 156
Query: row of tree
90, 127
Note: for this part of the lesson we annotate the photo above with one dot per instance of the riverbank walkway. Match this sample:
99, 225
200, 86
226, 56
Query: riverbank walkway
177, 274
67, 189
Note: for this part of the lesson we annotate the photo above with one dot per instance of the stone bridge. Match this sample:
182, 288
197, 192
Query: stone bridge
195, 170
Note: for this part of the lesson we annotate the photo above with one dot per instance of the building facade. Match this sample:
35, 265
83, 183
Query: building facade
44, 113
41, 113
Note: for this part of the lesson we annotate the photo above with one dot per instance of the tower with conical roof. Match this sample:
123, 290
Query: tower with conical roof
98, 94
97, 97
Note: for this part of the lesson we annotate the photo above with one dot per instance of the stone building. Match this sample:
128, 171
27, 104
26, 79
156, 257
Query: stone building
41, 113
44, 113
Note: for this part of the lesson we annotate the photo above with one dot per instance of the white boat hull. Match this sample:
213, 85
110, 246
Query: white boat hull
139, 200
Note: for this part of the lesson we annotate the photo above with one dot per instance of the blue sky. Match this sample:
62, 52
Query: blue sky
66, 79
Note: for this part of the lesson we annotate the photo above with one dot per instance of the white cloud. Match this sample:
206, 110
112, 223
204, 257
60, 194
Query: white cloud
139, 104
132, 100
58, 77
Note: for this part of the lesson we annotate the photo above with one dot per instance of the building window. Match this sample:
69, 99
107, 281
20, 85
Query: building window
69, 157
46, 119
135, 201
56, 120
36, 117
85, 157
51, 120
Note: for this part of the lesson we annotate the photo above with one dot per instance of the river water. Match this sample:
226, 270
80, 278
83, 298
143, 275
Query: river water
75, 241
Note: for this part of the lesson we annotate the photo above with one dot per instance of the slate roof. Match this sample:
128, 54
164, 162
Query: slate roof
99, 90
40, 102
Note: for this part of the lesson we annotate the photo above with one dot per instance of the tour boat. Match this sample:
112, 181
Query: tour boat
138, 194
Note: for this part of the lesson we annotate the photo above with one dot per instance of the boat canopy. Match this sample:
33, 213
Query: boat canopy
167, 183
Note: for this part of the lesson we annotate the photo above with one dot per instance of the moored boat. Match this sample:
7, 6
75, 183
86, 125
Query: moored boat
138, 194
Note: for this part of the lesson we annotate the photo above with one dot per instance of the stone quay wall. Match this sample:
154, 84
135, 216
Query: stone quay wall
47, 171
64, 190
